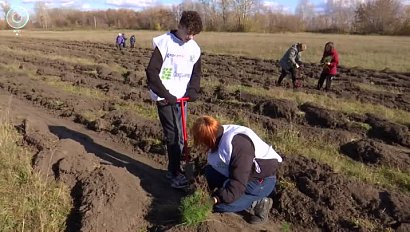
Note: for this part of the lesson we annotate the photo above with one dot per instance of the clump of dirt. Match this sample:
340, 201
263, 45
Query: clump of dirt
68, 77
67, 161
112, 200
141, 130
317, 196
36, 133
375, 153
97, 124
221, 93
278, 108
391, 209
106, 198
47, 71
388, 131
318, 116
103, 72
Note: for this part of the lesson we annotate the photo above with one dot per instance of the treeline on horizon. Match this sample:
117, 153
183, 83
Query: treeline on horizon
385, 17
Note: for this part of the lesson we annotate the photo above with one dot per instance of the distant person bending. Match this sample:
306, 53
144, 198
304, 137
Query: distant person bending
290, 62
132, 41
330, 60
119, 41
174, 71
241, 167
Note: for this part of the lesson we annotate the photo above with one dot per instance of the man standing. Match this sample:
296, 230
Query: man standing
290, 62
132, 41
174, 72
119, 40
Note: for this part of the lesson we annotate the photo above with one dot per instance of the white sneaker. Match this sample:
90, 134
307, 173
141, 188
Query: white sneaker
179, 182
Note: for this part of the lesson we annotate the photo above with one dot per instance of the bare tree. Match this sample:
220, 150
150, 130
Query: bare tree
242, 10
225, 6
41, 13
341, 14
306, 11
5, 6
404, 28
379, 16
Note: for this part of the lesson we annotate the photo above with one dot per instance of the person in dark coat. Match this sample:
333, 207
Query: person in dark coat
132, 41
124, 40
290, 62
119, 41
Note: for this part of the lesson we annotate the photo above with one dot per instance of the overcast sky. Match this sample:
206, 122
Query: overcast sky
287, 6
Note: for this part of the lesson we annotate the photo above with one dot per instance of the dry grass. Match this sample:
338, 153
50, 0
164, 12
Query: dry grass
338, 104
378, 88
32, 53
58, 57
373, 52
28, 203
290, 142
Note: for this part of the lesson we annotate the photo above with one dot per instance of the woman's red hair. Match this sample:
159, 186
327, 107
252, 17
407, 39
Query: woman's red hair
205, 132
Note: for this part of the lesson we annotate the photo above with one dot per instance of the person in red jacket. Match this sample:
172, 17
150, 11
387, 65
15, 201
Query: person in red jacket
330, 60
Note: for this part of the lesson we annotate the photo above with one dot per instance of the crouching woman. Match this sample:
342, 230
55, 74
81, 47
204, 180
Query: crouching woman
241, 167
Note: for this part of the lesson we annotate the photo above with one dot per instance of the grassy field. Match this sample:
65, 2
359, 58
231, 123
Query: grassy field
373, 52
28, 203
288, 140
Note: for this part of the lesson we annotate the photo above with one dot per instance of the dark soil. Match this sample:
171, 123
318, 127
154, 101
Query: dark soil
375, 153
113, 160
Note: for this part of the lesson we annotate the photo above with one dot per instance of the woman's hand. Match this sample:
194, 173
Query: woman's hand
213, 200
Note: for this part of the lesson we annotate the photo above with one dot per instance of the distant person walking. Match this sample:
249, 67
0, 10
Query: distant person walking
173, 72
124, 40
119, 41
290, 62
330, 60
132, 41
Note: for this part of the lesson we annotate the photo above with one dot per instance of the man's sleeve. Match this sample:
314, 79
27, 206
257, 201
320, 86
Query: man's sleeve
152, 71
195, 82
240, 168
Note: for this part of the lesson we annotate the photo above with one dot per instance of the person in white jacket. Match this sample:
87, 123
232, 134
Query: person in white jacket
241, 170
173, 72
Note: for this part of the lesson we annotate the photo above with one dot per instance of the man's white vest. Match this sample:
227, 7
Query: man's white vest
178, 62
221, 158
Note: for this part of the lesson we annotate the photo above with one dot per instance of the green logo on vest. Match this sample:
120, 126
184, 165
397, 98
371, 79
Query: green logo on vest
166, 74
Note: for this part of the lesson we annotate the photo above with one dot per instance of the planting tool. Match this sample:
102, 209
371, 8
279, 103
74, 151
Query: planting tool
189, 166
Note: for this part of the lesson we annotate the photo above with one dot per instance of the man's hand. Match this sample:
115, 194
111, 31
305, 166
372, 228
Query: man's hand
297, 66
171, 100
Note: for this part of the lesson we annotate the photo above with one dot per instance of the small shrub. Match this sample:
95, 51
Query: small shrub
195, 208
